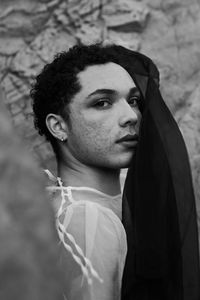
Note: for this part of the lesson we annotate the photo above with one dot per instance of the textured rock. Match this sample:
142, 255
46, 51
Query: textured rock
129, 40
21, 17
28, 256
171, 39
190, 127
30, 59
26, 63
167, 31
3, 66
50, 42
126, 16
89, 33
10, 46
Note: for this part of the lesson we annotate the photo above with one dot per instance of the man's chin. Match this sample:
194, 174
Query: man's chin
118, 162
126, 163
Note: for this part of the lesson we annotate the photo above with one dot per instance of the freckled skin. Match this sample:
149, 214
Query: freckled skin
93, 131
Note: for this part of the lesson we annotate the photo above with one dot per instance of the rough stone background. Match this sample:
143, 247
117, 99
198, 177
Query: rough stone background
31, 32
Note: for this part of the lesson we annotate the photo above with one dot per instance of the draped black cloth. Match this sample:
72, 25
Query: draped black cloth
159, 213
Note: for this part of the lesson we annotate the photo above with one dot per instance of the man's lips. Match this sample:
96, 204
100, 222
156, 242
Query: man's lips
128, 138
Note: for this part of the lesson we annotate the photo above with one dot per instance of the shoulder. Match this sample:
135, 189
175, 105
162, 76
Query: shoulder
87, 215
94, 235
93, 226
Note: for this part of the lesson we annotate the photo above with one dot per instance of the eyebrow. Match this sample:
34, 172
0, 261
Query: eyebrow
111, 92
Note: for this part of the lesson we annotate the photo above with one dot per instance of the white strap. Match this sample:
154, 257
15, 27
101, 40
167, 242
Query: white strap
86, 265
50, 175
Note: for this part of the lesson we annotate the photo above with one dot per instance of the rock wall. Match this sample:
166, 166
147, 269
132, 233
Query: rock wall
31, 32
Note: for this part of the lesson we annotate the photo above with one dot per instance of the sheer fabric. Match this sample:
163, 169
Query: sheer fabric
159, 212
93, 242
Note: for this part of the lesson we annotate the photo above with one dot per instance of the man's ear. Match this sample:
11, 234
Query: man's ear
57, 126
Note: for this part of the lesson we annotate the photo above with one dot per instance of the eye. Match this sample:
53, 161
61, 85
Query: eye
103, 103
133, 101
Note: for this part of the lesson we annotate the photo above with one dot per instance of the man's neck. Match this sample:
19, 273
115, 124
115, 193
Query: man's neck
104, 180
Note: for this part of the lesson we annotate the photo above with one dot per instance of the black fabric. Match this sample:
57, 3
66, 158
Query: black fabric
159, 213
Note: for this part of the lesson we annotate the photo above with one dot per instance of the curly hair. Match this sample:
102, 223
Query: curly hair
57, 83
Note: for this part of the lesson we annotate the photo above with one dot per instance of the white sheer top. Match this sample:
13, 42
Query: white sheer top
93, 242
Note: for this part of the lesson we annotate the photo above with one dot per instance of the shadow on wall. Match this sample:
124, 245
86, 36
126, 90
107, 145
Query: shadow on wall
28, 238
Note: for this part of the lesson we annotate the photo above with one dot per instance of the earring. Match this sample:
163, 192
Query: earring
63, 139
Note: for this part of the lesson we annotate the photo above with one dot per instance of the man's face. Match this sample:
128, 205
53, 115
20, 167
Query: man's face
104, 117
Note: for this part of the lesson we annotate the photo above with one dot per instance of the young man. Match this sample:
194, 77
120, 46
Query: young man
89, 103
88, 107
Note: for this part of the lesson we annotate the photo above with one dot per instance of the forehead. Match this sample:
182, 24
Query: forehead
107, 76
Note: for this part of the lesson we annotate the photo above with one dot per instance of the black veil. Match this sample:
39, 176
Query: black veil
159, 212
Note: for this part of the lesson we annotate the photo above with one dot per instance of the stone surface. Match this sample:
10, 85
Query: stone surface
190, 125
89, 33
22, 17
171, 39
130, 40
167, 31
10, 46
190, 128
126, 16
28, 256
48, 43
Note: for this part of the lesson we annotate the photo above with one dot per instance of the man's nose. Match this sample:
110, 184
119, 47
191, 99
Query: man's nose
128, 114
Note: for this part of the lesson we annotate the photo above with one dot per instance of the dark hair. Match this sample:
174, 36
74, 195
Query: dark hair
57, 83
